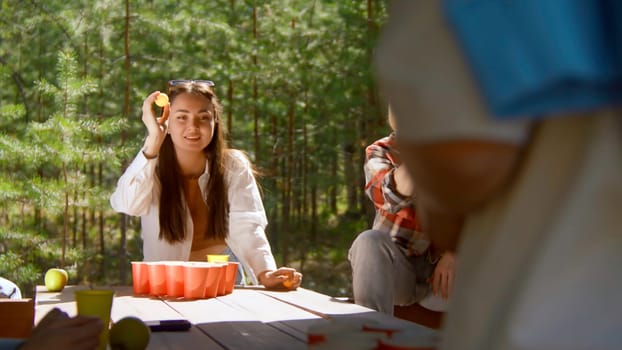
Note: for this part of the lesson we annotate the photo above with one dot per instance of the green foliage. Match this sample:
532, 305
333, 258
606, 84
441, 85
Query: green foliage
26, 255
44, 165
295, 80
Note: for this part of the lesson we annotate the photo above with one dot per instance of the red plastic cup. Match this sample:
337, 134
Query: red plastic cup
231, 274
222, 284
195, 276
174, 279
212, 285
157, 278
140, 277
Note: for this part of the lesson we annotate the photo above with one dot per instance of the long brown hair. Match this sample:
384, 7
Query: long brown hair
172, 206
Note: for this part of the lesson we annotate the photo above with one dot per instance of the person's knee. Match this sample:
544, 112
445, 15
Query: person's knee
369, 239
370, 242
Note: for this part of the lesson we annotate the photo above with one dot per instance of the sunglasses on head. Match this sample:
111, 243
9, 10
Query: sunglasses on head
183, 81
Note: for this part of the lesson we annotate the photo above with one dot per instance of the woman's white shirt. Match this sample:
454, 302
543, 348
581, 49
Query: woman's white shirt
138, 194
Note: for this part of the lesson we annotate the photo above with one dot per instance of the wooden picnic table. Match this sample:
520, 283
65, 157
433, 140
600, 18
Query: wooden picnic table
249, 318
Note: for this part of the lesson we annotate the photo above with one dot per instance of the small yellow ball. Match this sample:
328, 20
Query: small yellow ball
129, 333
161, 100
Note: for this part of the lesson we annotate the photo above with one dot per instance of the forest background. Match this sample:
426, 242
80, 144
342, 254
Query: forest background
294, 77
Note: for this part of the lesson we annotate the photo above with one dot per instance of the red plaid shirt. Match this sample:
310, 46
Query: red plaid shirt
395, 213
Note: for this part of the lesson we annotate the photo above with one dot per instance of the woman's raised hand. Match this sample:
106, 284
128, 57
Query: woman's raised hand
156, 127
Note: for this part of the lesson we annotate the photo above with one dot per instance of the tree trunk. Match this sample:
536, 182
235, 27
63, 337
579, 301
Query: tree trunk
254, 87
350, 177
230, 110
275, 227
332, 192
314, 214
126, 113
74, 222
288, 183
372, 119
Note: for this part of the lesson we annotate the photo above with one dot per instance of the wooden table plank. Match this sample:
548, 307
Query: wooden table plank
250, 335
125, 304
246, 320
264, 307
192, 339
287, 318
322, 305
331, 308
208, 311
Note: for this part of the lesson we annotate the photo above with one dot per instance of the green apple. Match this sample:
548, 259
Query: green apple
129, 333
56, 279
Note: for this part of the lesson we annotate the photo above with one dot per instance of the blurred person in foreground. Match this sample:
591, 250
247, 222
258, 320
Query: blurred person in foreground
394, 267
57, 330
532, 204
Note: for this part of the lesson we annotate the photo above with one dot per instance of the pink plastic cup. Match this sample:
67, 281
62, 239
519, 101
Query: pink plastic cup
157, 278
140, 277
231, 274
174, 279
195, 276
213, 282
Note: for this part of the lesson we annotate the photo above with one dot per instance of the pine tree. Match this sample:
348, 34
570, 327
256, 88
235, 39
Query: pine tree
44, 171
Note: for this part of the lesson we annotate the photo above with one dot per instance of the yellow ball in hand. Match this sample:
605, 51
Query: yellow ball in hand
161, 100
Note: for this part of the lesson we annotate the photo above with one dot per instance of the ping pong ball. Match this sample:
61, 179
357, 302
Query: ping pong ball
161, 100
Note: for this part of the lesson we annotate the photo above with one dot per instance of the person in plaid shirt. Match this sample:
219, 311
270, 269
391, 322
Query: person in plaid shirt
394, 262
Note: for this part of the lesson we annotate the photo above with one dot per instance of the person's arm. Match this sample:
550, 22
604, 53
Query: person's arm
388, 186
247, 217
247, 224
454, 178
133, 193
404, 183
134, 190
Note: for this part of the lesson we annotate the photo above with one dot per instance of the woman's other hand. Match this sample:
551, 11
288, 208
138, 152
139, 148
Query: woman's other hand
443, 277
282, 278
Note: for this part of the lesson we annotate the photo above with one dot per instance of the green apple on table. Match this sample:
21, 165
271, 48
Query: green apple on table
56, 279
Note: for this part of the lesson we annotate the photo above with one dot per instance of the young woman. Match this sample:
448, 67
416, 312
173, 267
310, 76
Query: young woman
196, 196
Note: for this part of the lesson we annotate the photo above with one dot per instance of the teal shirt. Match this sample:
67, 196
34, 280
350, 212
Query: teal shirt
10, 343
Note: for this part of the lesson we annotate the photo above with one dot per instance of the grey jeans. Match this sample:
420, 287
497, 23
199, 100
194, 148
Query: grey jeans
239, 278
383, 276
